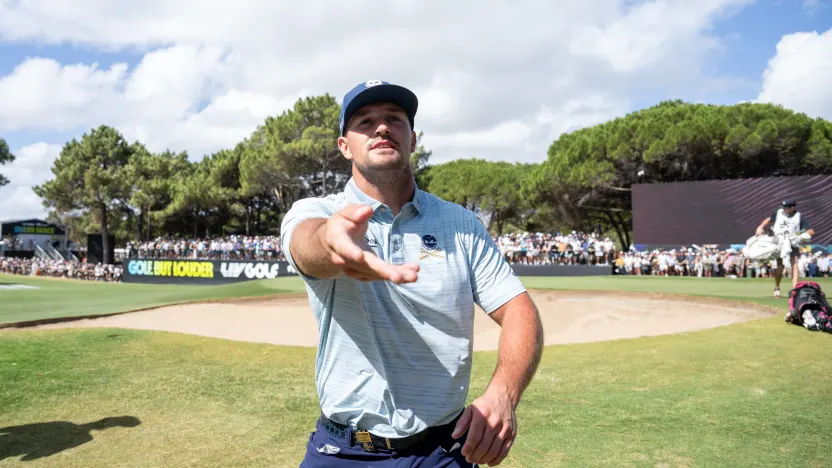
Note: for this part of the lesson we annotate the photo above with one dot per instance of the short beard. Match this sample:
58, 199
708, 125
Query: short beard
386, 176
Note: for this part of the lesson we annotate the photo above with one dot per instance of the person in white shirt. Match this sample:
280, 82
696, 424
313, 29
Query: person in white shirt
824, 266
662, 264
628, 263
670, 258
787, 221
802, 265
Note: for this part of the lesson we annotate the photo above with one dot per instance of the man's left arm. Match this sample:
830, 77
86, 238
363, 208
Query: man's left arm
806, 228
520, 347
491, 419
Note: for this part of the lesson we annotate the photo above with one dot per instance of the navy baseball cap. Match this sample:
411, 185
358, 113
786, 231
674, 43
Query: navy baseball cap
378, 91
789, 203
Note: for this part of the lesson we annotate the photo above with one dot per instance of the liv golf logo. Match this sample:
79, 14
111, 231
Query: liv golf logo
250, 270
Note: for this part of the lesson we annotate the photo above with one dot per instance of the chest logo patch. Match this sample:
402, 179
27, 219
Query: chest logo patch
430, 248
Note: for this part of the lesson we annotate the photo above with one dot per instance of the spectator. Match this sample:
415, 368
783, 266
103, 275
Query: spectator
825, 265
60, 269
234, 247
558, 249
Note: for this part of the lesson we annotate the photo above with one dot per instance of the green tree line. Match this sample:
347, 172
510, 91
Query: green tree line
6, 156
104, 184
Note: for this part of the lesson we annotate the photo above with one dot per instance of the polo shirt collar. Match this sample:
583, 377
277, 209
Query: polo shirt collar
354, 194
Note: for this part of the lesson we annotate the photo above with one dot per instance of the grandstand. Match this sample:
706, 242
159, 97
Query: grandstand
36, 238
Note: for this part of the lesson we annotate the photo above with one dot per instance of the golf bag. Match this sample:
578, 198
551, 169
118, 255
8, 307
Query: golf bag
808, 307
762, 248
766, 247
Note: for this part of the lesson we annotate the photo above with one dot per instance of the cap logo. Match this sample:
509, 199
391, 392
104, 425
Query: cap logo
372, 83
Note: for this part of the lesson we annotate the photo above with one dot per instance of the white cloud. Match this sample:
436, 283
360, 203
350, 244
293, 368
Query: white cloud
158, 101
41, 93
799, 75
497, 82
32, 166
813, 6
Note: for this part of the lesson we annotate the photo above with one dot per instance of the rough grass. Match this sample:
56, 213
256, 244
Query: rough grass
747, 395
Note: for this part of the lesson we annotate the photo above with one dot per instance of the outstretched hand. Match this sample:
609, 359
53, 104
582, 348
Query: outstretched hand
345, 239
492, 427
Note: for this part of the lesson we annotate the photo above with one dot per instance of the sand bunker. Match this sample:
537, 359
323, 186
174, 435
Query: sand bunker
568, 317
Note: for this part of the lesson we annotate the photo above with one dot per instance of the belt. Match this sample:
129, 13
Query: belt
371, 442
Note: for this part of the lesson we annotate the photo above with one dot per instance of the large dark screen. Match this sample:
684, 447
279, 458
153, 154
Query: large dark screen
726, 211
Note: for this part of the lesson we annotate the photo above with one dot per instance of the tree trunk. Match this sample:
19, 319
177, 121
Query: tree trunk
259, 213
625, 241
139, 223
621, 238
149, 229
624, 228
105, 235
323, 178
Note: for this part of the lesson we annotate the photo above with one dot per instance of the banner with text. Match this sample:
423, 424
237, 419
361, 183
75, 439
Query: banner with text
163, 271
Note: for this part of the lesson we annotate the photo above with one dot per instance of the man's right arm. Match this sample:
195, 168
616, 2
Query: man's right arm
322, 244
309, 251
762, 227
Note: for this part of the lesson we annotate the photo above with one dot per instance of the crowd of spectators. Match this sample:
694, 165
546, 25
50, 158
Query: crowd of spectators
713, 263
218, 248
575, 248
61, 269
540, 248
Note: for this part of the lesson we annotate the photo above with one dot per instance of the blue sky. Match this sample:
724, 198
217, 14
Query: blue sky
503, 84
750, 41
754, 32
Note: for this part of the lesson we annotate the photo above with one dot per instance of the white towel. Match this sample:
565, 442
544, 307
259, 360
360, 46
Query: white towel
785, 247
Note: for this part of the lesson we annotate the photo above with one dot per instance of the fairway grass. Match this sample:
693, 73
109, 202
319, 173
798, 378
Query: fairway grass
749, 395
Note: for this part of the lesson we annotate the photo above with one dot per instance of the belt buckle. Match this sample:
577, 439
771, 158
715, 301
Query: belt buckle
366, 441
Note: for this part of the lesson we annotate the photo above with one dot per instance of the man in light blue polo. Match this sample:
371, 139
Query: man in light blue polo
392, 275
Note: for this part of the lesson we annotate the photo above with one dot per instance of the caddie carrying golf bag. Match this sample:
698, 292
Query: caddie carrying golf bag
808, 307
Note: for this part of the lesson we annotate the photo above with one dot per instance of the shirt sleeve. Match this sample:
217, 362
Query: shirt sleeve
804, 224
493, 281
301, 210
773, 217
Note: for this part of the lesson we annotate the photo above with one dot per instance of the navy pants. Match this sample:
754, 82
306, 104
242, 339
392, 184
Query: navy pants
325, 450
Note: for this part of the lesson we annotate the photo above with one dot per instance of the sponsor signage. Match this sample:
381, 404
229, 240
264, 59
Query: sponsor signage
30, 226
207, 272
160, 271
